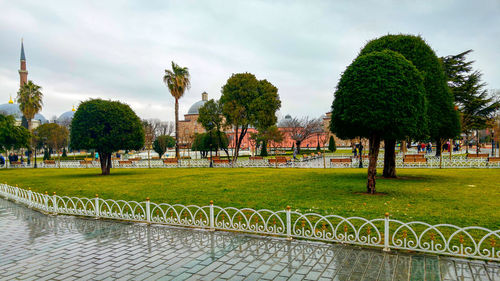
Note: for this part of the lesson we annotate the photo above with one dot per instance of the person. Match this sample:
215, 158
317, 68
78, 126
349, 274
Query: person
295, 154
354, 150
418, 148
2, 160
96, 156
11, 158
16, 157
22, 159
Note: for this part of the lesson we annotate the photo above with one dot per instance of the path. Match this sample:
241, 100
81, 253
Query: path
38, 247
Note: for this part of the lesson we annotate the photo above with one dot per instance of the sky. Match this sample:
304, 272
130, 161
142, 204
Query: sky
77, 50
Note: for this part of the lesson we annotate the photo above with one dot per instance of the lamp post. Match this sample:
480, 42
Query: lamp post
360, 154
210, 135
492, 142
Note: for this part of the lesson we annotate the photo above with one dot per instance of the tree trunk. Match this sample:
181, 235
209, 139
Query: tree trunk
105, 159
297, 144
177, 128
31, 141
372, 166
389, 159
467, 143
477, 143
438, 147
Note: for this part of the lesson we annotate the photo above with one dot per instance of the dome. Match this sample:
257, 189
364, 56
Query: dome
66, 116
194, 109
11, 109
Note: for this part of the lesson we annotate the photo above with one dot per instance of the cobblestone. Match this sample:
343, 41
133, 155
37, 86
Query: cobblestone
39, 247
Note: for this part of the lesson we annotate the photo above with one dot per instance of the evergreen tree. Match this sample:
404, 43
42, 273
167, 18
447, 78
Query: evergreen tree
331, 144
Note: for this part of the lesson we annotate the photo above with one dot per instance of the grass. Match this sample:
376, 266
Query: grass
464, 197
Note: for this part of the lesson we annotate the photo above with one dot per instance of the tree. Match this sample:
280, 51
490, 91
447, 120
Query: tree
177, 81
30, 102
477, 108
106, 126
301, 129
209, 141
442, 120
331, 144
52, 136
12, 136
162, 143
379, 96
246, 102
210, 117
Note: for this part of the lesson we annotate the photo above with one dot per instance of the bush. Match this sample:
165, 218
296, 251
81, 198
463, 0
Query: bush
332, 146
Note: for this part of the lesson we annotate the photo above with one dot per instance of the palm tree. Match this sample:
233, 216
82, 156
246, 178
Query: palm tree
177, 81
30, 102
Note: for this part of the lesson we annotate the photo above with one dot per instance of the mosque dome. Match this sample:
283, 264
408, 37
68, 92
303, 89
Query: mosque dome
11, 109
66, 116
194, 109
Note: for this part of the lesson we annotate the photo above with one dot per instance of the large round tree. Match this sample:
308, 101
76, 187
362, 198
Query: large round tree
379, 96
106, 126
443, 120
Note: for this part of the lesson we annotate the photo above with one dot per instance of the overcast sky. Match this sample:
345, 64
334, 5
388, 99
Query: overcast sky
118, 50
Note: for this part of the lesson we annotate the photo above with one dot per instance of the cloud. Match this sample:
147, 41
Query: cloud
119, 49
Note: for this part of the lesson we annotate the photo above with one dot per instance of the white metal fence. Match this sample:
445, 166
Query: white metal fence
316, 162
445, 239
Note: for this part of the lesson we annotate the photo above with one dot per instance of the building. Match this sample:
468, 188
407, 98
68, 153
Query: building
189, 127
12, 108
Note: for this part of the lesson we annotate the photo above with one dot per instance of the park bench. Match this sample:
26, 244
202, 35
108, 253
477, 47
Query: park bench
494, 159
88, 159
341, 160
49, 162
279, 160
213, 158
220, 162
135, 159
255, 158
476, 156
86, 162
115, 158
169, 161
414, 160
155, 158
125, 162
15, 163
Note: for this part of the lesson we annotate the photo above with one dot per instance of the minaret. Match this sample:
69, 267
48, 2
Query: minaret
204, 96
23, 73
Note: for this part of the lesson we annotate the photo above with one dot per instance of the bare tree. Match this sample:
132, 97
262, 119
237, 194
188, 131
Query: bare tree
300, 129
161, 127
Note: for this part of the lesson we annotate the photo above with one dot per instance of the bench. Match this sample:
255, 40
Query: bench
115, 158
170, 161
414, 160
86, 162
415, 155
341, 160
255, 158
476, 156
221, 161
213, 158
49, 162
155, 158
279, 160
135, 159
125, 162
494, 159
88, 159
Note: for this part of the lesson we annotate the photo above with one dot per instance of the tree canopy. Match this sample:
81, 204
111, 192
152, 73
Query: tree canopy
380, 95
106, 126
246, 102
52, 135
162, 143
209, 141
442, 121
12, 136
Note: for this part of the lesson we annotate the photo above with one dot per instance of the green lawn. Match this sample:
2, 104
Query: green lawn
463, 197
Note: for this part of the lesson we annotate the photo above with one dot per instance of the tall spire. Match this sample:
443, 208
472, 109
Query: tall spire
23, 73
23, 57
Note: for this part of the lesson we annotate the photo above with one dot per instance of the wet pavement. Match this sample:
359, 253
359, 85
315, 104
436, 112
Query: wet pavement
34, 246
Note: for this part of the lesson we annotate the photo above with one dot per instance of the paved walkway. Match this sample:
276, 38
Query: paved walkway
34, 246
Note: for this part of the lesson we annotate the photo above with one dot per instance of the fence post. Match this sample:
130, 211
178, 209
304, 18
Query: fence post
54, 202
30, 196
288, 223
212, 223
386, 233
46, 201
96, 206
148, 210
16, 194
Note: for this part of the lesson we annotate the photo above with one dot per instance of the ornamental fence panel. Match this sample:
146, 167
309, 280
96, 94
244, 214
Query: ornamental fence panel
311, 162
386, 233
